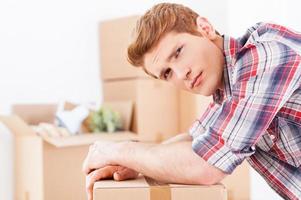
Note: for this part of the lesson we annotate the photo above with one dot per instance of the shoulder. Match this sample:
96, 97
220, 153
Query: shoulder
264, 57
269, 32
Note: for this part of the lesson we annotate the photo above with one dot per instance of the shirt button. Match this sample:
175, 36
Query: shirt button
272, 137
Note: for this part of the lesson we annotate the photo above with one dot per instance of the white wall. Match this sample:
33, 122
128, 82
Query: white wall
243, 14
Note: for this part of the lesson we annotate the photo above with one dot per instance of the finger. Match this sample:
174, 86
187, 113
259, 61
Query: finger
89, 194
125, 174
106, 172
94, 176
116, 175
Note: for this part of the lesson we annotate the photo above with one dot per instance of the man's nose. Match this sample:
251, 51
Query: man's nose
183, 73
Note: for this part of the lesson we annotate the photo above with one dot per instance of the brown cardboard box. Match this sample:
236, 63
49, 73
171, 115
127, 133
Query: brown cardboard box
146, 189
34, 114
115, 36
156, 107
48, 168
51, 168
191, 108
238, 183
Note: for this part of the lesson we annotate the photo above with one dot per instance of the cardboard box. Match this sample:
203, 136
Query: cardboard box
238, 184
147, 189
48, 168
115, 36
191, 107
51, 168
156, 106
34, 114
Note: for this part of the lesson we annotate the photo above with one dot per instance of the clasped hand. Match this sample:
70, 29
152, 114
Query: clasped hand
102, 163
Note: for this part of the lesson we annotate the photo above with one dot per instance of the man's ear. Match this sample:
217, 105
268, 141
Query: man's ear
205, 28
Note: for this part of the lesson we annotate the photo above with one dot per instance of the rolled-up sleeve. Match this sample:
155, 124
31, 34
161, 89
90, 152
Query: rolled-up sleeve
270, 75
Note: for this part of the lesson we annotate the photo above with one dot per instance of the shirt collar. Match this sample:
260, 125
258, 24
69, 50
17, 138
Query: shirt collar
231, 47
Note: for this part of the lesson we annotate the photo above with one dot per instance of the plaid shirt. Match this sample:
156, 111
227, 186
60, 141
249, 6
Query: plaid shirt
257, 116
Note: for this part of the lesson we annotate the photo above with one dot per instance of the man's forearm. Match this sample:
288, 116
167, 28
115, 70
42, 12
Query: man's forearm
175, 162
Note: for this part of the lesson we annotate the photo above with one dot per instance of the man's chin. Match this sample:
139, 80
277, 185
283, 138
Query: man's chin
199, 92
204, 92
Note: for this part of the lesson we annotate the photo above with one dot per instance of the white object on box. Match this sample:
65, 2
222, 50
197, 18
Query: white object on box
72, 120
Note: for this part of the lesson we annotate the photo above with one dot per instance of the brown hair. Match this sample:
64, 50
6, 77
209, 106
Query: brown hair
159, 20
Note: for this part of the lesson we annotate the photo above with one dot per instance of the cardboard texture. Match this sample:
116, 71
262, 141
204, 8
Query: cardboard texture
48, 168
35, 113
238, 183
156, 106
147, 189
191, 107
115, 36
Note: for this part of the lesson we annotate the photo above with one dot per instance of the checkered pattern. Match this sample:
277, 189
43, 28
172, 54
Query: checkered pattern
257, 116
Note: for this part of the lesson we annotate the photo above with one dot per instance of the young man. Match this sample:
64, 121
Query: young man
256, 114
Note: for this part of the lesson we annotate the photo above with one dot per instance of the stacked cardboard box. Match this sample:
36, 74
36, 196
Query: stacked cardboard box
48, 168
115, 35
191, 107
156, 109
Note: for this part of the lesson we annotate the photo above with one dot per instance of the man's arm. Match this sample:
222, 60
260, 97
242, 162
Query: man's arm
174, 163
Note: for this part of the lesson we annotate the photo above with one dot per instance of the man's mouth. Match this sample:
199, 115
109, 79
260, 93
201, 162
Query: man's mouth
196, 81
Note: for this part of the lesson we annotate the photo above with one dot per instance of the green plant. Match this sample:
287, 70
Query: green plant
105, 120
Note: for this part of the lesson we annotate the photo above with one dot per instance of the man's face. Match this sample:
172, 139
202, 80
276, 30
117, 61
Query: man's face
192, 63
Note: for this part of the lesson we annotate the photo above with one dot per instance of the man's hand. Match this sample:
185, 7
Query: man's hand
118, 173
100, 154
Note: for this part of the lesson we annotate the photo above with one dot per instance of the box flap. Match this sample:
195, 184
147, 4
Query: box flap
86, 139
113, 60
17, 126
35, 113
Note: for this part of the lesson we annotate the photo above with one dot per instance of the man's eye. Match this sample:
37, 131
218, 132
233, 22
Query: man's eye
167, 73
178, 51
